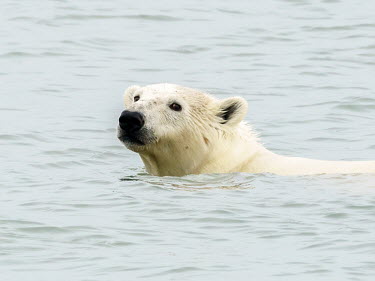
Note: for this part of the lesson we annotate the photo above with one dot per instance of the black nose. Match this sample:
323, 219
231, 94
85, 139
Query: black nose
131, 121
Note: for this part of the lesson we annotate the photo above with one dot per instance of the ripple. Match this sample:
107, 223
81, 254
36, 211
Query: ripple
175, 270
27, 54
101, 16
338, 27
17, 54
43, 229
186, 50
336, 215
230, 11
203, 181
9, 137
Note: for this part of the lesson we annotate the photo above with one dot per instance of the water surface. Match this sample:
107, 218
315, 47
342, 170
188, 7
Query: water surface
76, 205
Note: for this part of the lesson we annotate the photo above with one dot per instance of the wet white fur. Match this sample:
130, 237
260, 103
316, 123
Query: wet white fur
194, 140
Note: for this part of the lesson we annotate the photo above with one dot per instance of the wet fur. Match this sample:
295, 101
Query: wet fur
209, 136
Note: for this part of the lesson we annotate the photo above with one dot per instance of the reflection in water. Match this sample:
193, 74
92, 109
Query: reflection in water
203, 181
199, 182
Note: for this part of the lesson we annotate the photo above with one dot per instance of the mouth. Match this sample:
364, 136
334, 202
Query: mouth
136, 140
130, 139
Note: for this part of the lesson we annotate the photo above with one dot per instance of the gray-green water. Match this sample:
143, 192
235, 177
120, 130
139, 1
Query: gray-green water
76, 205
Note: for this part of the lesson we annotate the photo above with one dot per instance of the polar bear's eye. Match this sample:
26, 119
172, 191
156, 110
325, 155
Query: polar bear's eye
136, 98
175, 106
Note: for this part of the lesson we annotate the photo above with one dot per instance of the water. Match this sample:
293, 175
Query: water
76, 205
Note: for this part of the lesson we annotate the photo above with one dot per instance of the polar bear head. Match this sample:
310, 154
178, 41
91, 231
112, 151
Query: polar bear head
176, 127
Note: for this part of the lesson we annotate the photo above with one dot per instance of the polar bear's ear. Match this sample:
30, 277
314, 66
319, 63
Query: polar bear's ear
232, 110
128, 95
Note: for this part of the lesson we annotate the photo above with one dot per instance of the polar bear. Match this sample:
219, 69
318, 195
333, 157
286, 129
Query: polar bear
179, 131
